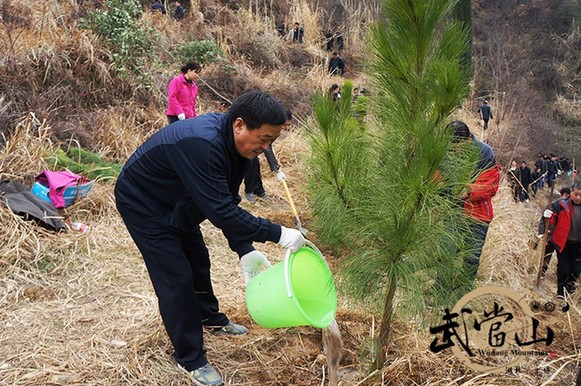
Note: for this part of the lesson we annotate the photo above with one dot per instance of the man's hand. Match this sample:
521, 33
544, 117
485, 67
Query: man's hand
291, 238
548, 213
251, 264
280, 176
181, 116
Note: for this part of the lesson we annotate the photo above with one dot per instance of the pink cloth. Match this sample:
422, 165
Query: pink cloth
57, 182
181, 97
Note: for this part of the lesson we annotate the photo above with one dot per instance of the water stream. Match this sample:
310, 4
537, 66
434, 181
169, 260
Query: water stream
332, 346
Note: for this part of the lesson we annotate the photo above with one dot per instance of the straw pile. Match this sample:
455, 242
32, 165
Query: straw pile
78, 309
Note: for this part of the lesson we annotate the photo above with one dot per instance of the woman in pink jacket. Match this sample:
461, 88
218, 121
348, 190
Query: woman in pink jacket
182, 93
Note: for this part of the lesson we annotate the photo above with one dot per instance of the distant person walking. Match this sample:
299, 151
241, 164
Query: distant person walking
336, 65
525, 178
179, 13
485, 113
157, 6
281, 29
182, 93
340, 42
298, 33
330, 41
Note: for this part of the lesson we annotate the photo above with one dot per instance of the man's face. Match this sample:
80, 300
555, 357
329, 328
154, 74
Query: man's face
250, 143
576, 196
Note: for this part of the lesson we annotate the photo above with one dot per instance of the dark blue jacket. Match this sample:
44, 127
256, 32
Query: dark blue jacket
486, 111
486, 160
188, 172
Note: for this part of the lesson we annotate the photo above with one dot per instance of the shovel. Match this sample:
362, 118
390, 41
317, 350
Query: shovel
274, 167
542, 245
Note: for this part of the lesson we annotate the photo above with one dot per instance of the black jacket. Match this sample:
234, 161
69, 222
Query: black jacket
188, 172
336, 66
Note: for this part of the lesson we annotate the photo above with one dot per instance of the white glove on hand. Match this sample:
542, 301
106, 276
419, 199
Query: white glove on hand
291, 238
548, 213
181, 116
280, 176
251, 263
540, 236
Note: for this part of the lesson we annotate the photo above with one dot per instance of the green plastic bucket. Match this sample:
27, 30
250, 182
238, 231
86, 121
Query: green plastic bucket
298, 291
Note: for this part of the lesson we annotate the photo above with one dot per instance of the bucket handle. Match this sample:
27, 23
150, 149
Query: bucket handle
289, 291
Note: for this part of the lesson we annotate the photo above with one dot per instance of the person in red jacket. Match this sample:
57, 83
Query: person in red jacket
478, 198
182, 93
565, 232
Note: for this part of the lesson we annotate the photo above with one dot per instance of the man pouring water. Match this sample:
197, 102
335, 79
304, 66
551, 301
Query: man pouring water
188, 172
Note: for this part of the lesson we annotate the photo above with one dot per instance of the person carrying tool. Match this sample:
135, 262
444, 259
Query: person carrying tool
549, 247
281, 177
565, 232
188, 172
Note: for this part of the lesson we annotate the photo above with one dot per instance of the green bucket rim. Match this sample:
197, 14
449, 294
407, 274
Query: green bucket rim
287, 277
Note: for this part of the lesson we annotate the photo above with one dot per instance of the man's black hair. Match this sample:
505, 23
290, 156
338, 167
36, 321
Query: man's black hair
565, 191
461, 130
257, 108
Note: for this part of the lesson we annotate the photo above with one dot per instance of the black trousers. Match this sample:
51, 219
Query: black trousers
568, 267
179, 268
253, 179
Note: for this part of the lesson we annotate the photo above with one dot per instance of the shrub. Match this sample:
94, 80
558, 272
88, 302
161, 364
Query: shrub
117, 23
201, 51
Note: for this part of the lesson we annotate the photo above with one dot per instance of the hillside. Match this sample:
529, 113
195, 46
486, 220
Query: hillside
526, 61
79, 309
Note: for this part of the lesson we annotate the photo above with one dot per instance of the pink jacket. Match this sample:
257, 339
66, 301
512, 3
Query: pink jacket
181, 97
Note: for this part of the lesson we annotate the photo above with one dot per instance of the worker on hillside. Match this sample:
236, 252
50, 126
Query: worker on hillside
565, 232
549, 246
485, 113
188, 172
478, 198
182, 93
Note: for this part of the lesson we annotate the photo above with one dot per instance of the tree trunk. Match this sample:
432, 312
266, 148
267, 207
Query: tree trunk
382, 339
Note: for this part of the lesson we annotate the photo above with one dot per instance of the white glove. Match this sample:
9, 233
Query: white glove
280, 176
181, 116
291, 238
548, 213
540, 236
251, 263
